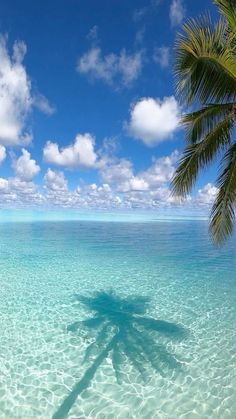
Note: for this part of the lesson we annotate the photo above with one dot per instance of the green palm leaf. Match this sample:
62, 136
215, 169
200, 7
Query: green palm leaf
223, 215
198, 124
205, 68
205, 73
199, 155
228, 9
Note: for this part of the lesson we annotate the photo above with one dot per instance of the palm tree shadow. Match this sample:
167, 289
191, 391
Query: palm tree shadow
124, 333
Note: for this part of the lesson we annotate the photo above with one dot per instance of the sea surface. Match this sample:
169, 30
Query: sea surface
116, 320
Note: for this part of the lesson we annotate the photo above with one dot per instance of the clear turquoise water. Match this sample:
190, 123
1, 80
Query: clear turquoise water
168, 352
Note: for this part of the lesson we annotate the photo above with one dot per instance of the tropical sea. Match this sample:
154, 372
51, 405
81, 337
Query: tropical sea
116, 319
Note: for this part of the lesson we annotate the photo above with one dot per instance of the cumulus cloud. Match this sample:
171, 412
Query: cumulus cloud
95, 196
153, 120
19, 193
177, 12
3, 184
161, 171
19, 190
25, 168
137, 183
55, 180
161, 55
119, 174
119, 186
80, 154
16, 98
119, 69
2, 153
149, 188
207, 194
57, 193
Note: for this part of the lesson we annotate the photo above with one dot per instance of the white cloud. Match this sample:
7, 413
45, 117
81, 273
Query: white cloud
207, 194
153, 120
41, 102
161, 171
119, 174
94, 196
114, 69
55, 181
25, 168
85, 196
138, 184
22, 188
80, 154
109, 147
145, 189
16, 99
2, 153
120, 186
3, 184
161, 56
19, 193
177, 12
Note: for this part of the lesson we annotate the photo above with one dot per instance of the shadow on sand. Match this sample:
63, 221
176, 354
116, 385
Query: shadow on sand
125, 334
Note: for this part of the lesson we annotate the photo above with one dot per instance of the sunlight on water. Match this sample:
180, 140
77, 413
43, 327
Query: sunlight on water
116, 320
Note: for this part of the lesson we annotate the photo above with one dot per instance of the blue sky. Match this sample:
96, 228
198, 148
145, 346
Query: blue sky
88, 113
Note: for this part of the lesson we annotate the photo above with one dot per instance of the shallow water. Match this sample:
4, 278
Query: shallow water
122, 363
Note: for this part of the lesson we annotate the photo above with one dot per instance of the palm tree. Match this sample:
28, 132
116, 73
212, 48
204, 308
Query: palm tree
122, 332
205, 72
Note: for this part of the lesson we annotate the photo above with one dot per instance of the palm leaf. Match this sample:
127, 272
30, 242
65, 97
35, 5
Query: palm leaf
228, 9
198, 124
223, 214
205, 67
199, 155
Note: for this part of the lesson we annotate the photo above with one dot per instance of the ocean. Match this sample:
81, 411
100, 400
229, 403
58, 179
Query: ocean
116, 320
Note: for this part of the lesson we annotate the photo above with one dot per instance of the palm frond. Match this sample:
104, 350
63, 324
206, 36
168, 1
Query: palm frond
228, 9
223, 212
199, 155
205, 68
198, 124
